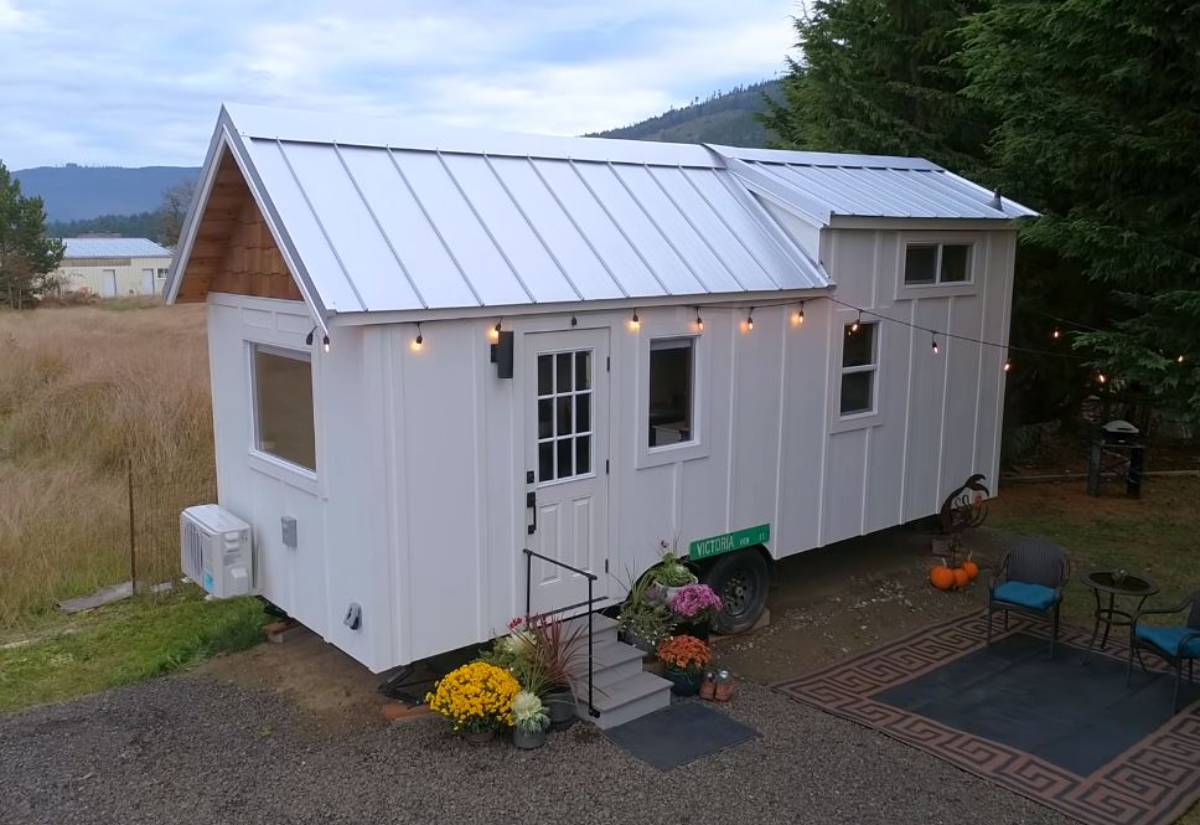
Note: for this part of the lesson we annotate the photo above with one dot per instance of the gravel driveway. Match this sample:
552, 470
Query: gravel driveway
192, 749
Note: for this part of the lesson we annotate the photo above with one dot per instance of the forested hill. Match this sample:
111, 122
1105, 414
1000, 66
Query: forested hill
727, 118
75, 192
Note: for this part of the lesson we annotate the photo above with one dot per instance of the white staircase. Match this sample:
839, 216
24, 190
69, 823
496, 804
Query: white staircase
622, 691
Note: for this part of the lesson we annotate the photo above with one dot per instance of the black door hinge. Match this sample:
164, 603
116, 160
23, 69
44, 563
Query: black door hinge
606, 466
606, 565
608, 363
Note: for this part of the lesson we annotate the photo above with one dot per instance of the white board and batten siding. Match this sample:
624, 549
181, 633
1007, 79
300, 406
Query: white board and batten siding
417, 508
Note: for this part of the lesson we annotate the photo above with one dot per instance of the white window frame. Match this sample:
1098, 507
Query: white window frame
661, 327
259, 459
872, 417
976, 243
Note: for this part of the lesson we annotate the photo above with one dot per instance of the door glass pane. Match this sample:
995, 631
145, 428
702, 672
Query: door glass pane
583, 413
564, 458
919, 263
545, 418
564, 415
545, 374
546, 461
583, 370
583, 454
564, 372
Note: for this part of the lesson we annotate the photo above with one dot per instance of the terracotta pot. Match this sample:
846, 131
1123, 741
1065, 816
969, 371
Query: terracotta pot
527, 740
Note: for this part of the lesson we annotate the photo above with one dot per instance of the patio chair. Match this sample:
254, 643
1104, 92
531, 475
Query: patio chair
1173, 644
1030, 579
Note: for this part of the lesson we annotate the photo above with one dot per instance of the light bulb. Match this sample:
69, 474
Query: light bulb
798, 317
699, 323
1056, 334
494, 334
1008, 366
325, 343
857, 323
1102, 378
419, 341
935, 345
635, 323
1179, 360
750, 322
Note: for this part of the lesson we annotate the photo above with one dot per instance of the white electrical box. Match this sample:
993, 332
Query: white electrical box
216, 551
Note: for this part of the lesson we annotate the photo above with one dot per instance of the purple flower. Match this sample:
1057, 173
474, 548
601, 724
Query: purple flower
694, 600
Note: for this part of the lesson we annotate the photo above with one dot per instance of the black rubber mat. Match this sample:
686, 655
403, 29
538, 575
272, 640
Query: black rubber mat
679, 734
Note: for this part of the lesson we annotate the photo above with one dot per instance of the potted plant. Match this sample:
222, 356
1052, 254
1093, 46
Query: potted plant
644, 621
530, 721
685, 658
477, 699
695, 608
669, 575
556, 656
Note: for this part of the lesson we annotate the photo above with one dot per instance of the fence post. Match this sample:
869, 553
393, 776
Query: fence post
132, 528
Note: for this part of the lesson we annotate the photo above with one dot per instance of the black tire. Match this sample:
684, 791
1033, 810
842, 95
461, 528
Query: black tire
741, 580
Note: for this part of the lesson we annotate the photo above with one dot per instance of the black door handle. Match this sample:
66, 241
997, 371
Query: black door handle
531, 504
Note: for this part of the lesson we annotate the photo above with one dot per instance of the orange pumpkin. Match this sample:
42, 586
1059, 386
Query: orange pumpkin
941, 577
961, 579
972, 569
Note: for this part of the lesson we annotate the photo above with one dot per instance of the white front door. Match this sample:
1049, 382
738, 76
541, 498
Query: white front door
147, 281
108, 283
565, 379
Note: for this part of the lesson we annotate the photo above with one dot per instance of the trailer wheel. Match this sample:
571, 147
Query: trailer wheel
740, 579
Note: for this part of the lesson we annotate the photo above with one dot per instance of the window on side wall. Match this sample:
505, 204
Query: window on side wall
937, 263
283, 405
860, 362
672, 391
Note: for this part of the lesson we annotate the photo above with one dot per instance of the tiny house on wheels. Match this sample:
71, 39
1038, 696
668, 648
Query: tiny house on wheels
431, 352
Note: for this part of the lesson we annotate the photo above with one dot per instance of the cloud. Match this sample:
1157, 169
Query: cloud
148, 90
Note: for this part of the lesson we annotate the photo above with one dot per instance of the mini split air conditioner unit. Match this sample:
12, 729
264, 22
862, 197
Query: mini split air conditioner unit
216, 551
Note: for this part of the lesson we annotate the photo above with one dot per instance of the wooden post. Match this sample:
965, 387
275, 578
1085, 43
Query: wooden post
132, 529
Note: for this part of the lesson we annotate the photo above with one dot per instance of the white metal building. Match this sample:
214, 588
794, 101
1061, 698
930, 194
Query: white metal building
113, 267
678, 376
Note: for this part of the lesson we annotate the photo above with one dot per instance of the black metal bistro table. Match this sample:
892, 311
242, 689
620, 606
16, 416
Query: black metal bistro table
1116, 584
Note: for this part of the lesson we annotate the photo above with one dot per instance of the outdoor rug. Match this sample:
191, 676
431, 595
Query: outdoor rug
1063, 732
679, 734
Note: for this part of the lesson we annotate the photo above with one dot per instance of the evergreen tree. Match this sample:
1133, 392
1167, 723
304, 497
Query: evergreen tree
27, 256
879, 77
1098, 104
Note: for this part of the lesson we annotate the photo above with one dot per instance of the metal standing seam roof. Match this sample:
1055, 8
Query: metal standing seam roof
113, 248
378, 217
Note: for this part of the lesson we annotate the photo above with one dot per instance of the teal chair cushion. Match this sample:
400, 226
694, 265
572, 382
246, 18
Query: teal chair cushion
1170, 640
1024, 594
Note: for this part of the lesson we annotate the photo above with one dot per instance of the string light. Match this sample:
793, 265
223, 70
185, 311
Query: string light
798, 316
1007, 365
1056, 334
494, 333
325, 343
1179, 360
574, 321
933, 336
635, 323
750, 320
699, 321
1102, 378
419, 342
857, 323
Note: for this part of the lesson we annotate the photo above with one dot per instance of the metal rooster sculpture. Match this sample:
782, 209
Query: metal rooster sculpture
965, 507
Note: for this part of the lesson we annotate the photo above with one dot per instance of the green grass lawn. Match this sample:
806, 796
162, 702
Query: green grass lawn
121, 643
1157, 535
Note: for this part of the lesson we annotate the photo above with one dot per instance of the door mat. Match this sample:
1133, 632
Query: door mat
1067, 732
679, 734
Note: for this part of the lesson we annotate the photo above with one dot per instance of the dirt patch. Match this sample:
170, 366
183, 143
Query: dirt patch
316, 677
851, 596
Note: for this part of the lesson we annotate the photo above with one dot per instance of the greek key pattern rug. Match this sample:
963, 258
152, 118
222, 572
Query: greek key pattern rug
1149, 780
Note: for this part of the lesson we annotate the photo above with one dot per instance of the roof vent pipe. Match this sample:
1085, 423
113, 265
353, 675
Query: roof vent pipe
997, 201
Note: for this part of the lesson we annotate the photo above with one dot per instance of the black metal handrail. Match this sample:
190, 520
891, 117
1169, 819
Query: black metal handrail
591, 580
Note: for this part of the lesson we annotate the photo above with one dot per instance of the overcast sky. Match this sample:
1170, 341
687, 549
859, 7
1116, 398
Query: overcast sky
139, 82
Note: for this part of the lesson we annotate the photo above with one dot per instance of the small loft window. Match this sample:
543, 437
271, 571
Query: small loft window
671, 391
859, 364
937, 263
283, 406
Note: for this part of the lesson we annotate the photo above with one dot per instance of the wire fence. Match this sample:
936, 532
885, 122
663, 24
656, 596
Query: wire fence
154, 500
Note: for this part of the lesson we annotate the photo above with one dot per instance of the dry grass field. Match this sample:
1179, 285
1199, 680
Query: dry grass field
83, 390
